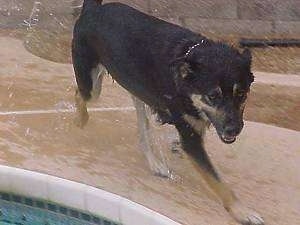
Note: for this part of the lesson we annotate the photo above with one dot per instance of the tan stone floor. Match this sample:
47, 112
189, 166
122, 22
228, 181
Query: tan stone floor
262, 166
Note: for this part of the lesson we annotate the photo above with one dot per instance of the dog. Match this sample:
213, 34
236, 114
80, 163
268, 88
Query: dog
188, 80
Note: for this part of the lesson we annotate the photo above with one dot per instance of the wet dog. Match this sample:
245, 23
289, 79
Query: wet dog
187, 79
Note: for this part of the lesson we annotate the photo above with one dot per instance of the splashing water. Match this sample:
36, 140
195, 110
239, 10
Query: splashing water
63, 105
49, 31
33, 18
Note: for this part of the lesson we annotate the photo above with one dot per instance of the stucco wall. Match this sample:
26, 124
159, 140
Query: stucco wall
255, 18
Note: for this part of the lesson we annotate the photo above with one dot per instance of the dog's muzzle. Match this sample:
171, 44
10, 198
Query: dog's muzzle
228, 139
230, 133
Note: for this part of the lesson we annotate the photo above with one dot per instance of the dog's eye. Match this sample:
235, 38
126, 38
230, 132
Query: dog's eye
215, 94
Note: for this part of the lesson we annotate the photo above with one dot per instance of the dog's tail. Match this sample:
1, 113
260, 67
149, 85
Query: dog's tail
91, 3
87, 4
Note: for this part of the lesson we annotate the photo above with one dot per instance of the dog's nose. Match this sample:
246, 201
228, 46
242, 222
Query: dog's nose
231, 131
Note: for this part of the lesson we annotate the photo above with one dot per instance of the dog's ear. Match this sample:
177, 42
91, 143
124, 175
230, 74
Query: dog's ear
181, 68
247, 58
184, 68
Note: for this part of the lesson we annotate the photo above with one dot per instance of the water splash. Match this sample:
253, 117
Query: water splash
27, 132
11, 95
33, 17
62, 106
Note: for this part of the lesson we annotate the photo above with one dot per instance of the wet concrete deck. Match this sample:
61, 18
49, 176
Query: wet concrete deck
262, 167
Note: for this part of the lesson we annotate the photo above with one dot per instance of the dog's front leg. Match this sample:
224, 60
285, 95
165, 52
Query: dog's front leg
145, 139
191, 135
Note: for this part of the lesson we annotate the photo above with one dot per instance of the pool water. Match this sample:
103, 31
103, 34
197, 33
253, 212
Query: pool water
19, 210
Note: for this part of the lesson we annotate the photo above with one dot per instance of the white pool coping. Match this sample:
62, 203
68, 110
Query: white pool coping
79, 196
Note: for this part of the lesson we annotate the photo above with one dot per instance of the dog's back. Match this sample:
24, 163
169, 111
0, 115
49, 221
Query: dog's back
131, 32
131, 44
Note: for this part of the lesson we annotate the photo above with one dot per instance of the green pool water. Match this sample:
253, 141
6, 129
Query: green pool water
19, 210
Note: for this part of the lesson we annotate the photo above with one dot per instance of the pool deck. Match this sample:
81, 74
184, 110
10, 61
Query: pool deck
262, 166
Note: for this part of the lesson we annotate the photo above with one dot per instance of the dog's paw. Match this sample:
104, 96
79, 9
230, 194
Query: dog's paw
244, 215
160, 169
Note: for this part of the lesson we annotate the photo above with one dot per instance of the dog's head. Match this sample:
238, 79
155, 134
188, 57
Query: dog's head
217, 78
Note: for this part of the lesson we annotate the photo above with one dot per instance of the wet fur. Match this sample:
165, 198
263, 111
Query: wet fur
154, 60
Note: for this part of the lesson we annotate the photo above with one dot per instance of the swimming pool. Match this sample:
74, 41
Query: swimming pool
20, 210
32, 198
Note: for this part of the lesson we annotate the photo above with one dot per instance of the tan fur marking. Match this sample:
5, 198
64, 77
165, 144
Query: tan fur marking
220, 188
199, 104
82, 115
229, 200
197, 125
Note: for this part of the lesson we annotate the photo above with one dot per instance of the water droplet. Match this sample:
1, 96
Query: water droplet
70, 88
10, 85
27, 133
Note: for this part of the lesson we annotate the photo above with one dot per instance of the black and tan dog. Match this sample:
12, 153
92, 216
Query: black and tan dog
188, 80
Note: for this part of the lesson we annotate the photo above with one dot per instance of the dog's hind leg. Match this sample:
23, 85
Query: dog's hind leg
97, 75
89, 74
82, 116
159, 167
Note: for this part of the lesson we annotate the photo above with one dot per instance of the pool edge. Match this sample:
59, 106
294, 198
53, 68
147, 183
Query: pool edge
79, 196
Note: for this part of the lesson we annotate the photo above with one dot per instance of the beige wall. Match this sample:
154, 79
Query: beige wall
257, 18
